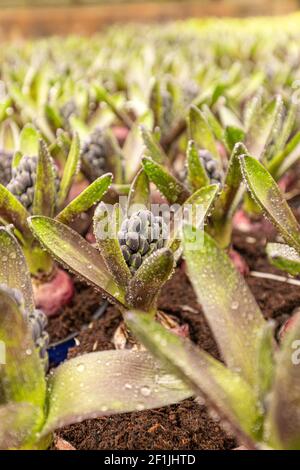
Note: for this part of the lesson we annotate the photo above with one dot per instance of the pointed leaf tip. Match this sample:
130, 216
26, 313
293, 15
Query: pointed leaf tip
86, 199
172, 189
267, 194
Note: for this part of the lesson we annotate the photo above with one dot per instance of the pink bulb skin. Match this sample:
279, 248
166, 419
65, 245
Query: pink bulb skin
239, 262
52, 295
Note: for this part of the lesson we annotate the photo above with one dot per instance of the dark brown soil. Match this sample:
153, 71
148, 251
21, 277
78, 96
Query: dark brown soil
72, 317
183, 426
277, 300
187, 425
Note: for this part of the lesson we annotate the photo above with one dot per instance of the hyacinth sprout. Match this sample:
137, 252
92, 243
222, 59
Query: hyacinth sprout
37, 188
134, 255
204, 166
88, 386
16, 281
267, 195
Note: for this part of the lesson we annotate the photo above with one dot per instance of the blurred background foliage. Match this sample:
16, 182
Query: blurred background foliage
14, 3
277, 6
31, 18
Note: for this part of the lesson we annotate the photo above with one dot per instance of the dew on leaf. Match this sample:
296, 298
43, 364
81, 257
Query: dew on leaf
80, 367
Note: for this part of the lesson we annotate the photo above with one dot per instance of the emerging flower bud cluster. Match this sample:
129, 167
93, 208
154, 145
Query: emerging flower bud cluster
68, 110
37, 322
141, 235
5, 167
95, 153
23, 181
211, 167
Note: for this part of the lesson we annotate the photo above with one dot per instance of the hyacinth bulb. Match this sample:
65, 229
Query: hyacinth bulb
141, 235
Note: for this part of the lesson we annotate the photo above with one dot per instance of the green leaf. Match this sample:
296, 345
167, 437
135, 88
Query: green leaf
232, 136
86, 199
198, 205
252, 109
103, 95
276, 133
77, 254
170, 187
36, 84
283, 421
139, 194
13, 212
232, 181
250, 85
229, 119
70, 169
265, 361
13, 268
132, 150
9, 135
16, 159
263, 123
79, 127
227, 202
197, 176
53, 116
109, 382
218, 92
29, 140
224, 389
156, 102
22, 376
115, 158
41, 86
153, 149
18, 421
4, 107
23, 102
287, 128
229, 306
145, 285
268, 196
283, 160
106, 232
213, 122
44, 189
201, 132
284, 257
